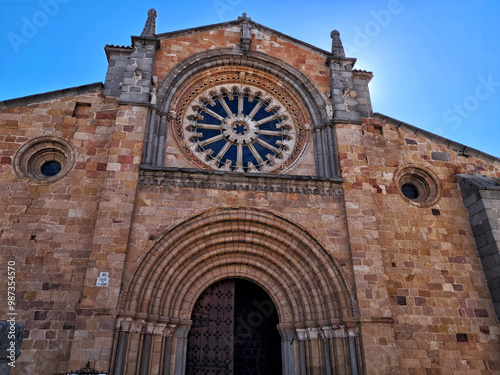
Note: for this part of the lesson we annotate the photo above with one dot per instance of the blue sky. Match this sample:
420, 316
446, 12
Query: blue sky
436, 64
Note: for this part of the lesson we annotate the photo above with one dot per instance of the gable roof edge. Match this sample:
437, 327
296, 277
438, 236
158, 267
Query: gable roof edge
455, 146
50, 95
171, 34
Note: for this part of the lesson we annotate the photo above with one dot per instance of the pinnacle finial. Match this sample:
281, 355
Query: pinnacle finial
337, 47
246, 35
149, 30
244, 17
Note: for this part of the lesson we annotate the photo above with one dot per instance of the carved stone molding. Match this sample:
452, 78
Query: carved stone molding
207, 179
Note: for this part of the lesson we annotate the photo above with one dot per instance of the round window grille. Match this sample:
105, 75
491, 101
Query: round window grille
239, 129
45, 159
418, 185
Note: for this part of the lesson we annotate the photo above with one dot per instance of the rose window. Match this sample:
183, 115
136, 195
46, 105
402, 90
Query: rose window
239, 129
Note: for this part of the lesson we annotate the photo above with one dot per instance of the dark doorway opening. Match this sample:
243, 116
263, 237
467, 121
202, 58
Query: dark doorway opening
234, 332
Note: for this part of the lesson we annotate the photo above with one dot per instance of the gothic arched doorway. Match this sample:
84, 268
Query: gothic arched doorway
234, 331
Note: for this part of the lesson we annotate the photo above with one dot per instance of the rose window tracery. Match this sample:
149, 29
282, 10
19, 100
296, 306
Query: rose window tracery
241, 129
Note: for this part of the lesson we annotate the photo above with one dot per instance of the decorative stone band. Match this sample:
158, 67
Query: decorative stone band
328, 332
147, 328
139, 325
209, 179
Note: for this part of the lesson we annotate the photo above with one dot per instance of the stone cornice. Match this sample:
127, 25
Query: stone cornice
211, 179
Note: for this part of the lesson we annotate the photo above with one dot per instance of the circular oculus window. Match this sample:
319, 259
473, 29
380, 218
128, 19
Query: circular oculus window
418, 185
239, 129
46, 159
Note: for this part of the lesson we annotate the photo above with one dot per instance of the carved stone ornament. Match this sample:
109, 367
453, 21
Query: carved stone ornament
242, 129
246, 33
149, 30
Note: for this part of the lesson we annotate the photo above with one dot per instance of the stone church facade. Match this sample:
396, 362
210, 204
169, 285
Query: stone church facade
227, 202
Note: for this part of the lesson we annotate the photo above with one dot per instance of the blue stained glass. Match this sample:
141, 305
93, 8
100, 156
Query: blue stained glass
207, 133
217, 108
236, 134
232, 104
249, 157
249, 106
262, 114
271, 125
240, 129
209, 119
216, 146
231, 155
263, 151
270, 139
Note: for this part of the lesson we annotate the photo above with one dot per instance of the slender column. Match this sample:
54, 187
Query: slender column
287, 351
134, 345
328, 357
352, 353
148, 141
162, 138
180, 334
302, 336
327, 335
145, 355
332, 151
154, 146
325, 152
319, 154
167, 355
120, 353
302, 357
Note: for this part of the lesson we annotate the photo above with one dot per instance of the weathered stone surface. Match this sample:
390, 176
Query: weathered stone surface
353, 265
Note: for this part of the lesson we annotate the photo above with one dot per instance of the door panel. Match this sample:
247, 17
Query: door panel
210, 340
234, 332
257, 343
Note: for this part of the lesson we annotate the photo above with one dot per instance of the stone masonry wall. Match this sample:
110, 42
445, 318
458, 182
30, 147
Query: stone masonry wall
310, 62
54, 231
160, 207
415, 263
47, 229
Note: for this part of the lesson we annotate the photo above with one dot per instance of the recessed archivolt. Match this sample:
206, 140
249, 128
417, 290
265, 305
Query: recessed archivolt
264, 66
305, 282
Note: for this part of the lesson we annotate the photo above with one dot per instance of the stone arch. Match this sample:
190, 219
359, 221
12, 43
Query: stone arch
315, 304
277, 254
309, 102
227, 57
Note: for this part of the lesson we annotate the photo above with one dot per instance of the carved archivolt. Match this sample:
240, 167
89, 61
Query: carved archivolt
235, 242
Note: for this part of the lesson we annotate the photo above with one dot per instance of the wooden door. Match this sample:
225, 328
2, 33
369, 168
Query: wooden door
210, 340
234, 332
